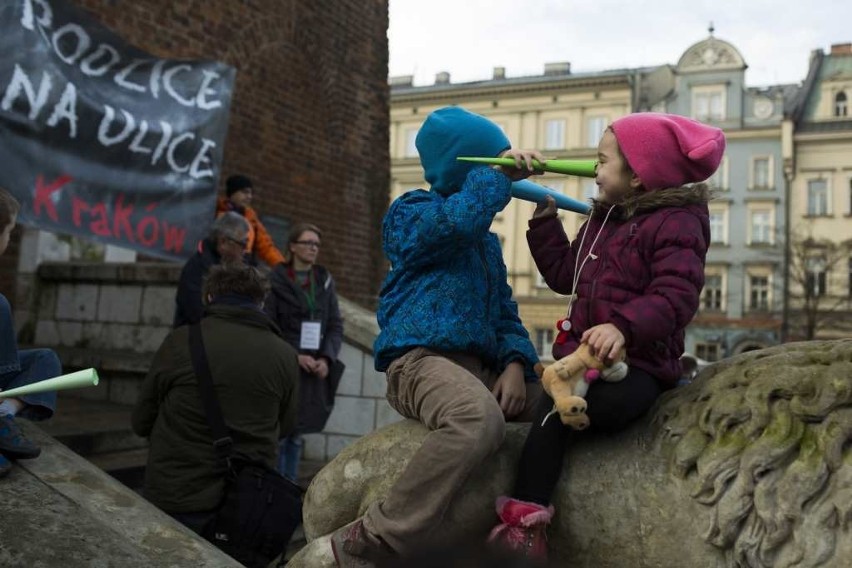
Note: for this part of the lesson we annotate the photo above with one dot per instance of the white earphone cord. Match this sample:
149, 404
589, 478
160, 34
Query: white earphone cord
578, 268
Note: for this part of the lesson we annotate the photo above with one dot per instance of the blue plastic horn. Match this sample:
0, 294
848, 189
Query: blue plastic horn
529, 191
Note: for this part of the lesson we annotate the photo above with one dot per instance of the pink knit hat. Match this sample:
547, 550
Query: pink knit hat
668, 150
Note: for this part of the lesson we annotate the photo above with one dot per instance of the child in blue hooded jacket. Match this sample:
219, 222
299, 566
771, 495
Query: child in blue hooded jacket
451, 343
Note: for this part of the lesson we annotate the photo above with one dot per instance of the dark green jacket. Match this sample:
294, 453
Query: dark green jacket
255, 374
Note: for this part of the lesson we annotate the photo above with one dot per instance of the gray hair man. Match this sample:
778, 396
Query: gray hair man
225, 244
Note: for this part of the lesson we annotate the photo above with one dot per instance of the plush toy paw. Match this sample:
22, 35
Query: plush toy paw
571, 406
568, 379
577, 422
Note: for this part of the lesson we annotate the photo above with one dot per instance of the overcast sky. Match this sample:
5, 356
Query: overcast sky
469, 37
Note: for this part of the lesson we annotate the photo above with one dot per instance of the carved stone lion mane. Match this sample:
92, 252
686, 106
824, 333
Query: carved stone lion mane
767, 446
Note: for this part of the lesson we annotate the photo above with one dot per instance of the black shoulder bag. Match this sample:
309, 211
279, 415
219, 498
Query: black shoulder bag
260, 509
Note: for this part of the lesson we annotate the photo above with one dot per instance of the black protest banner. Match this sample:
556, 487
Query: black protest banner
102, 140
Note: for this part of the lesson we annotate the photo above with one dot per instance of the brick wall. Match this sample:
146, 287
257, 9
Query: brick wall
309, 119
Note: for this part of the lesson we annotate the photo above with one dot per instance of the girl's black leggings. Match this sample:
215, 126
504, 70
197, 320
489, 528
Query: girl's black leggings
612, 406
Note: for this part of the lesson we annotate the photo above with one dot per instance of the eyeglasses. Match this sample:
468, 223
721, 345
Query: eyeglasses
243, 243
312, 244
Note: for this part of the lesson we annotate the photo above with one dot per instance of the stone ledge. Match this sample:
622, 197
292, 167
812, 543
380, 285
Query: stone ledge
63, 511
360, 327
123, 274
104, 360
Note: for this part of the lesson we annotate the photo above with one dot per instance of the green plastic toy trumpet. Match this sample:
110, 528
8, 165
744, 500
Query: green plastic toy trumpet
582, 168
79, 379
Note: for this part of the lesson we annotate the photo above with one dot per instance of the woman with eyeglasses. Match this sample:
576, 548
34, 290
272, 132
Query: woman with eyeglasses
303, 302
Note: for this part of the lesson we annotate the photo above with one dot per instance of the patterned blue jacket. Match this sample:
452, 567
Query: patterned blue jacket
447, 287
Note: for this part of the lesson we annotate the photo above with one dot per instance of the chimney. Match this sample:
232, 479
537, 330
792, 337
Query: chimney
401, 81
841, 49
499, 73
442, 78
558, 68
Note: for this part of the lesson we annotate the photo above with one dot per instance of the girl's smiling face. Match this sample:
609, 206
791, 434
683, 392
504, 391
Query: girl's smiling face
614, 177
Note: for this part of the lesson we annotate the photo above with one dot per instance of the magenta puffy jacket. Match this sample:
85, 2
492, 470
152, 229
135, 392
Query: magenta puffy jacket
645, 275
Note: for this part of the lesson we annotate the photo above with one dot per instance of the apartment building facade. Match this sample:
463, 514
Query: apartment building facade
820, 299
785, 143
742, 301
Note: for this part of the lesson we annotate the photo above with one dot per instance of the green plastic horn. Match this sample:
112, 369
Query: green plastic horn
84, 378
582, 168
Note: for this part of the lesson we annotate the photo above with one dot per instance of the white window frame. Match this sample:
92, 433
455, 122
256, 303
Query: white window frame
554, 133
810, 269
812, 211
708, 93
723, 285
751, 274
723, 210
539, 279
544, 337
752, 175
595, 127
410, 149
840, 107
849, 277
719, 179
702, 350
764, 233
849, 195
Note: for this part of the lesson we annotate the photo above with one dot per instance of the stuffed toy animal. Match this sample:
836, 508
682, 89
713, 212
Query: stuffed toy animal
567, 382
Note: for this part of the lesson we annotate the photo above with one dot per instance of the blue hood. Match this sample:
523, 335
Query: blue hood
448, 133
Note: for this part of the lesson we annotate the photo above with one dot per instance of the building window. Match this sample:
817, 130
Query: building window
718, 226
817, 197
759, 293
850, 197
761, 226
554, 134
708, 351
712, 295
544, 341
539, 280
815, 277
719, 179
841, 107
410, 146
590, 189
760, 169
595, 130
849, 293
709, 104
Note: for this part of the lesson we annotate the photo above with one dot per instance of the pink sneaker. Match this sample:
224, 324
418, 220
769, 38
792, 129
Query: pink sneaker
524, 527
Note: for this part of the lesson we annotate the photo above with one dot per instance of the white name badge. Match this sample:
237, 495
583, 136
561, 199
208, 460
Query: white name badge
310, 338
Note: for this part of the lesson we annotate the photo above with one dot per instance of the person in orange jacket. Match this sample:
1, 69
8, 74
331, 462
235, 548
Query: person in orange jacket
238, 194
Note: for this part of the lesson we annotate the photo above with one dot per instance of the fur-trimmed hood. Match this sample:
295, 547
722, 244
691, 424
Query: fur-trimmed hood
645, 201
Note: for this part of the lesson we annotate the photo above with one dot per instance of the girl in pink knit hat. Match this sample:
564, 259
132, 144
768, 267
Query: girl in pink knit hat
634, 275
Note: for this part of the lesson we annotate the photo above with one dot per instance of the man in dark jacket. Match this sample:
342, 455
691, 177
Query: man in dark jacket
255, 377
225, 244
